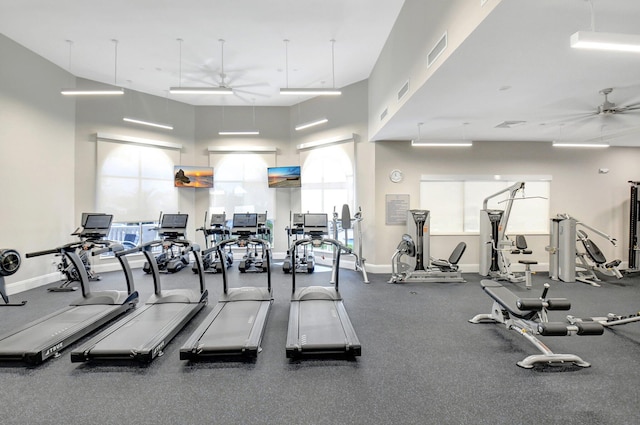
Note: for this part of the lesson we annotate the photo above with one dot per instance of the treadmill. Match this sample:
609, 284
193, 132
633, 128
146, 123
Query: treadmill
318, 321
236, 325
41, 339
142, 335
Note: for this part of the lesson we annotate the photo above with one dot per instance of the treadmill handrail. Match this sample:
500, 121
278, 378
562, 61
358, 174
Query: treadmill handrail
339, 245
266, 246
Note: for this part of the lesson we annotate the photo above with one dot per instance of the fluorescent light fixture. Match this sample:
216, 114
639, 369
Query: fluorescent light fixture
239, 133
311, 124
88, 92
150, 124
311, 92
606, 41
200, 90
441, 143
580, 145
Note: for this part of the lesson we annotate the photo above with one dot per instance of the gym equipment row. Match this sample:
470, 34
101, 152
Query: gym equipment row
234, 327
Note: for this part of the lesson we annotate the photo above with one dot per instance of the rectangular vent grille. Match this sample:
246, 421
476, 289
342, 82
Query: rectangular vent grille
403, 90
384, 113
437, 50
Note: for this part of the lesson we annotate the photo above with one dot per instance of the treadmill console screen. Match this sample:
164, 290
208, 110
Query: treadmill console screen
96, 225
245, 224
316, 223
218, 219
173, 225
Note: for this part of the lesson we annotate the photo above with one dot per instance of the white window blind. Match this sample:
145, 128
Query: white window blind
455, 202
135, 182
240, 183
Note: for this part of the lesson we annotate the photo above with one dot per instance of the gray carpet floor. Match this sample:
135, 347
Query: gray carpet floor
421, 363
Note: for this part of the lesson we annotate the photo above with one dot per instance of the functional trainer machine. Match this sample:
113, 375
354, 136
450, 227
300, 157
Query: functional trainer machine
528, 317
9, 264
415, 252
41, 339
318, 321
143, 334
495, 246
634, 222
573, 256
345, 223
237, 323
213, 235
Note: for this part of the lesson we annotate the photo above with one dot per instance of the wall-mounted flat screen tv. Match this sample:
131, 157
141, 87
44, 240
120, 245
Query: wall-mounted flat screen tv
284, 176
192, 176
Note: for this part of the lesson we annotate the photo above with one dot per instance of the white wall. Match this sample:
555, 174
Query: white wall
577, 188
36, 159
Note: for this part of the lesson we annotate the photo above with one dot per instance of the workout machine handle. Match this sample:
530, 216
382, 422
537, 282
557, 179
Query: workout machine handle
39, 253
110, 248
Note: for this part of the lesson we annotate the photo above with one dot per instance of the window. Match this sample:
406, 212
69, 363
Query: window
328, 182
455, 202
135, 182
240, 183
327, 179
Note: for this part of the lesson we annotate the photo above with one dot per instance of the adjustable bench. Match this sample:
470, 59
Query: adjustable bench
528, 317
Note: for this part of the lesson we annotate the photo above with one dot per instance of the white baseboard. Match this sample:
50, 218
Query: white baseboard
34, 282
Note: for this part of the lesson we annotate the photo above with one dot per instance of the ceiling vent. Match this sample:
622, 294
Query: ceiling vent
384, 114
510, 124
403, 90
437, 50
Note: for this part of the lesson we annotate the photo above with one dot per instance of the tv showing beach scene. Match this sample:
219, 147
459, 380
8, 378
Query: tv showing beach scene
192, 176
279, 177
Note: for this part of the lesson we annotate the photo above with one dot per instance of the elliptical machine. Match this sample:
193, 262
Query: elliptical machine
213, 235
345, 223
294, 260
171, 229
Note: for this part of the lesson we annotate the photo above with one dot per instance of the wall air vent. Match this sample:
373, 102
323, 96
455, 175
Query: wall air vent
509, 124
403, 90
437, 50
384, 114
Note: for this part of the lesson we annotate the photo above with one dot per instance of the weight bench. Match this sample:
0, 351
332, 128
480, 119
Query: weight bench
528, 317
599, 260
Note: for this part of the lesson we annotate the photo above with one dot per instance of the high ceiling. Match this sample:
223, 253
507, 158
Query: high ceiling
516, 66
151, 59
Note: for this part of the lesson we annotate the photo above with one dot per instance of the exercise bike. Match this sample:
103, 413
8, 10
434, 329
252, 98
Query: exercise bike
94, 227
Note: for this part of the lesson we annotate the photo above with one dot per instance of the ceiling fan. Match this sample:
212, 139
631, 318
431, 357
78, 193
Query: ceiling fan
610, 108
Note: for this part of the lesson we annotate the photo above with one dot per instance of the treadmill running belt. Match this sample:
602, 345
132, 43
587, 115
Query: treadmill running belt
41, 334
320, 326
137, 331
227, 332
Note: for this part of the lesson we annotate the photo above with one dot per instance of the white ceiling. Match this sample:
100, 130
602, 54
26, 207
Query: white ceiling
148, 53
516, 66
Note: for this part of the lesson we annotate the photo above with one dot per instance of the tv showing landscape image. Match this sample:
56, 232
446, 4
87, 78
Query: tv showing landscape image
279, 177
192, 176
